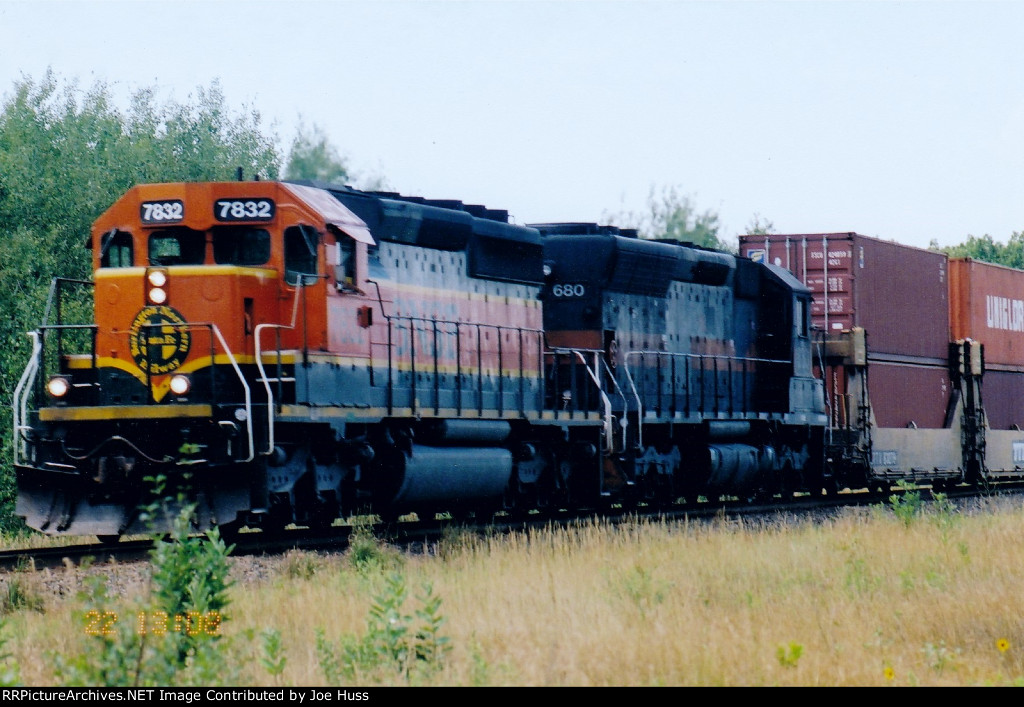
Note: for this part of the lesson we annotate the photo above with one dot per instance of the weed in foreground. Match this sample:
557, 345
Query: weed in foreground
940, 657
17, 594
643, 589
369, 554
789, 655
944, 514
301, 565
9, 670
397, 644
457, 541
907, 504
273, 659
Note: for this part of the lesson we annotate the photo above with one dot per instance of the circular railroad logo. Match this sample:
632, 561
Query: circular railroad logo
159, 339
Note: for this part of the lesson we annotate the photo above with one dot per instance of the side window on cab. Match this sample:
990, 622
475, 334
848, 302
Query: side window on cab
116, 250
300, 244
800, 314
345, 264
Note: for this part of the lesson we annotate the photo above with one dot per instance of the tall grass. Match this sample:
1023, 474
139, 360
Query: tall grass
871, 597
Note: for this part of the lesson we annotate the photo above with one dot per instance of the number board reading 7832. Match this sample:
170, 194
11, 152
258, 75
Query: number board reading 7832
166, 211
255, 209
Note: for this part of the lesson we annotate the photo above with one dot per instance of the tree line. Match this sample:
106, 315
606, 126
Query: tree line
988, 249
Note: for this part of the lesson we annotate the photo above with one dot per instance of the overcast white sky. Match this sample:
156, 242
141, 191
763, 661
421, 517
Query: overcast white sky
903, 120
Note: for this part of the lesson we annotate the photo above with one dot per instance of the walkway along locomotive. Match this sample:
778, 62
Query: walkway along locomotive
295, 353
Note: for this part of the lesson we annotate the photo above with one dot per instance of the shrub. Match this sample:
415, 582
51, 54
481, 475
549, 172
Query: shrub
173, 637
396, 644
907, 503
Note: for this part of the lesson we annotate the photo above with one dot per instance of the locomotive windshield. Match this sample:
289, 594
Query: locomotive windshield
234, 245
177, 246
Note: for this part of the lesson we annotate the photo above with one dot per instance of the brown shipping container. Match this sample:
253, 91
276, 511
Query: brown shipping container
1002, 394
908, 396
897, 293
987, 304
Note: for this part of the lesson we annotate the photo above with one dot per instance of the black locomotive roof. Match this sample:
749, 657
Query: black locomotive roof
495, 248
583, 229
603, 256
445, 224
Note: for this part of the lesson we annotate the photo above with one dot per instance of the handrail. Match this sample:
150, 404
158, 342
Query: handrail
683, 354
245, 387
21, 393
624, 423
609, 428
299, 286
819, 349
427, 357
673, 355
37, 357
639, 404
56, 292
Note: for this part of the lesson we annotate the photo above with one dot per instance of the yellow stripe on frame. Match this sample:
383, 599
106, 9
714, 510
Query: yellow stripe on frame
124, 412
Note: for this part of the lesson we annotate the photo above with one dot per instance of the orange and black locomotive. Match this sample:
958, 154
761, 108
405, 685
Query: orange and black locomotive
283, 353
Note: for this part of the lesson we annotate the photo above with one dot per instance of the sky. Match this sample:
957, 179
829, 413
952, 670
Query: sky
900, 120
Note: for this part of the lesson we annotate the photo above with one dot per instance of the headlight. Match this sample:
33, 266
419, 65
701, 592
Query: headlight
58, 386
180, 384
156, 280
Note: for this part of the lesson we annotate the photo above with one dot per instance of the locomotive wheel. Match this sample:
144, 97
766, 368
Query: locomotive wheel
109, 539
322, 516
229, 531
784, 482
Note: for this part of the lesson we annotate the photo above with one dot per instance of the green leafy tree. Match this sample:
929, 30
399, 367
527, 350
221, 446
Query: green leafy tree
987, 249
759, 226
673, 215
66, 154
312, 156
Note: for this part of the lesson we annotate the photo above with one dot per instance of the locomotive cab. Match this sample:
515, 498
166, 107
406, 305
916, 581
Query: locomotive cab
784, 333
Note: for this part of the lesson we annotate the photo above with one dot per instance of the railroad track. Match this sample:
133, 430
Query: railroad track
423, 535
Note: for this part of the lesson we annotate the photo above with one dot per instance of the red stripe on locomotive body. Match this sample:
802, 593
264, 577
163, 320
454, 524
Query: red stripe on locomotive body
438, 315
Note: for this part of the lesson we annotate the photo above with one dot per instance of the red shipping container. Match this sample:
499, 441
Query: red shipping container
987, 304
1002, 394
909, 396
897, 293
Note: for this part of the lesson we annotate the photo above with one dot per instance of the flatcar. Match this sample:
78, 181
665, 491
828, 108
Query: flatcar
294, 353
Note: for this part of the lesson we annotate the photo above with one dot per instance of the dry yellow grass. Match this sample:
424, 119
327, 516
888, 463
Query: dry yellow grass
858, 600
